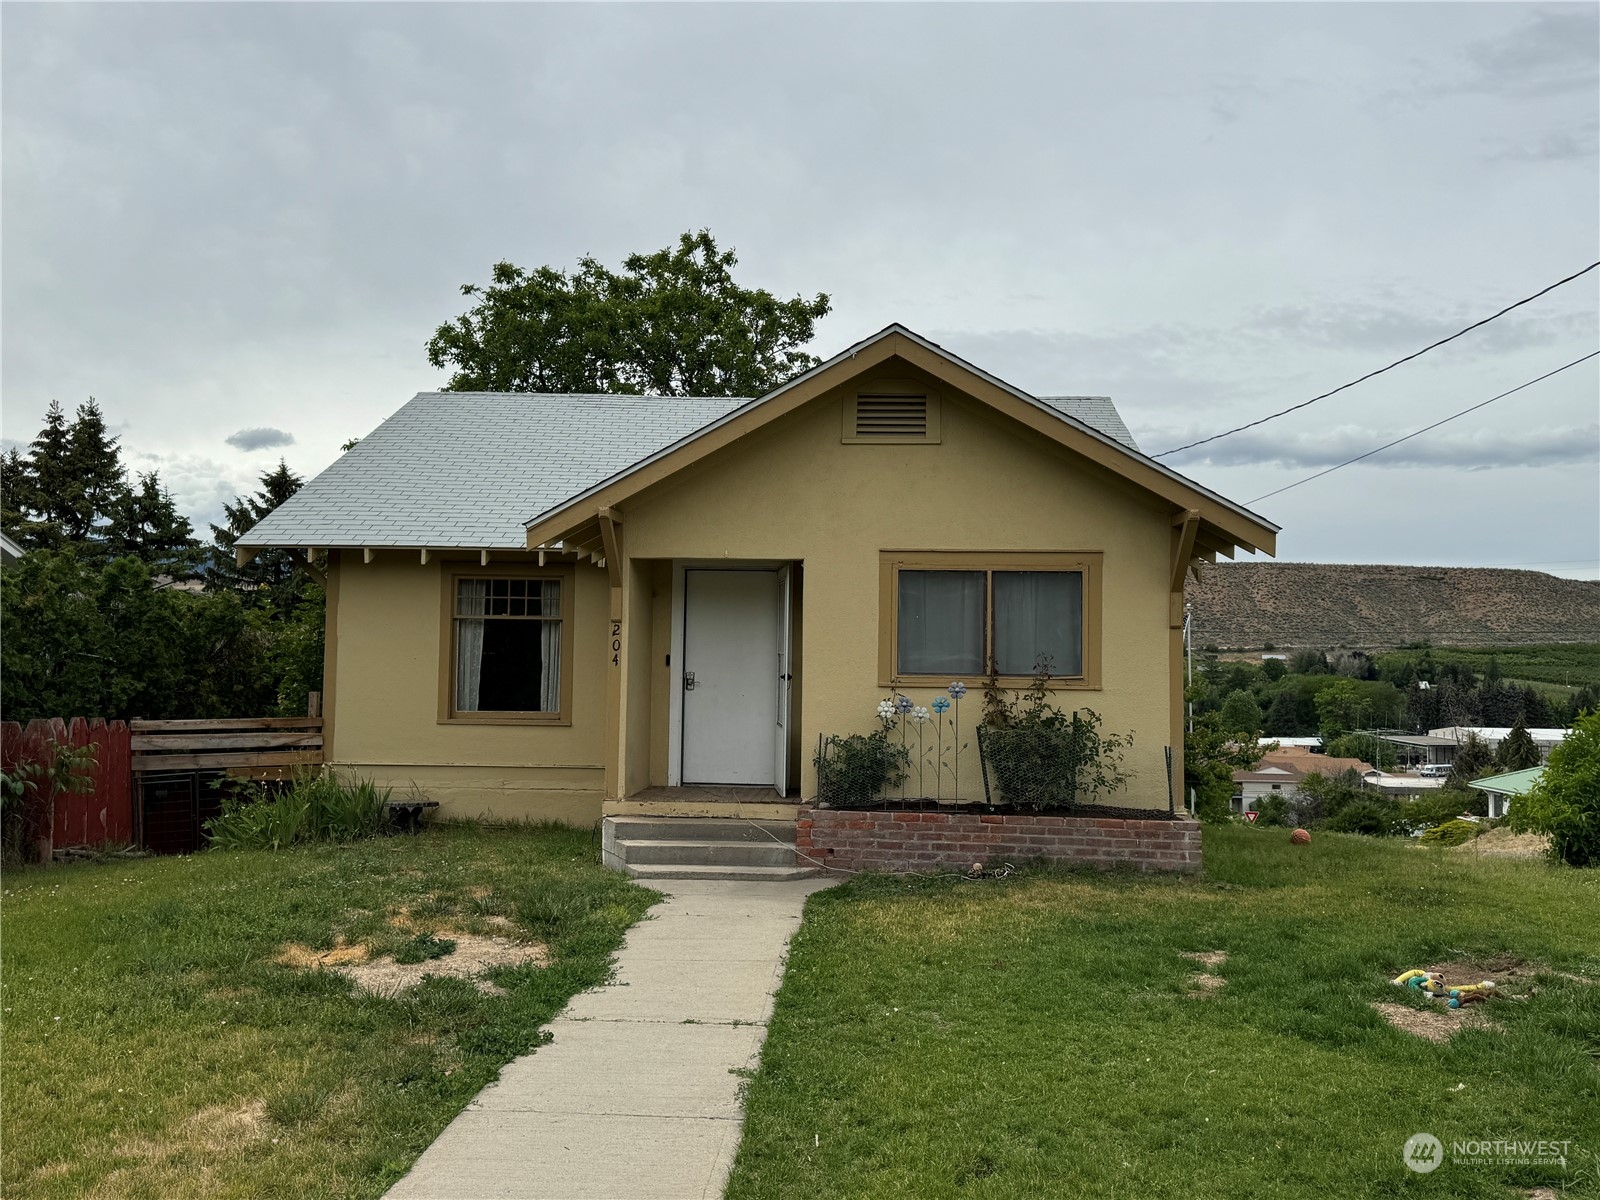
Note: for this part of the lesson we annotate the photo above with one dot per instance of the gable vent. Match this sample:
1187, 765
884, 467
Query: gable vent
892, 416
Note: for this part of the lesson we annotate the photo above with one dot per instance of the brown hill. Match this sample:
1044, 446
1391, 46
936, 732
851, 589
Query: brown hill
1239, 606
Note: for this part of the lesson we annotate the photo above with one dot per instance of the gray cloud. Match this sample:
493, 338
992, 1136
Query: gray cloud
262, 438
1471, 450
1205, 211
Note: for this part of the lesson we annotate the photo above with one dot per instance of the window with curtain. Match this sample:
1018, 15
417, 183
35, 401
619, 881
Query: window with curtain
949, 623
507, 645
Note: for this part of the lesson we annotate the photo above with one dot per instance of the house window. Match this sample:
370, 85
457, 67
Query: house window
950, 614
508, 647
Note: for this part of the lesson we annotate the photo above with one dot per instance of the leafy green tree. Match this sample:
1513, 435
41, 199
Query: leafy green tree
1320, 798
1291, 713
670, 323
1565, 802
1309, 662
1241, 714
1368, 747
1337, 708
1517, 750
1274, 669
273, 575
1211, 754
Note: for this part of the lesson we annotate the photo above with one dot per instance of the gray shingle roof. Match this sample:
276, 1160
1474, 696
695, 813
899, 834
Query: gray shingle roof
1097, 411
467, 469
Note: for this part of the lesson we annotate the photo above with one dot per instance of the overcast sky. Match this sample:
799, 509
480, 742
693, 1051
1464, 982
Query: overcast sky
236, 225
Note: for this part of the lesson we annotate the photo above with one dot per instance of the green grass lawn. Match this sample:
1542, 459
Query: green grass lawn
153, 1048
1036, 1038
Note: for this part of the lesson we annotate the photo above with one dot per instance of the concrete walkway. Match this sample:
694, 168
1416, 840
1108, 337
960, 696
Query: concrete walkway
635, 1097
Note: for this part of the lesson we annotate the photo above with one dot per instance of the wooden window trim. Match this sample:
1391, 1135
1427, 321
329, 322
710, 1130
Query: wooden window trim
447, 644
892, 562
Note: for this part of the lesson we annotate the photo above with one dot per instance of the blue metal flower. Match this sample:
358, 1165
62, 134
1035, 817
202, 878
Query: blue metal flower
903, 704
940, 704
957, 689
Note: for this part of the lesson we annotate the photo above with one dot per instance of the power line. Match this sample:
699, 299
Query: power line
1373, 374
1418, 433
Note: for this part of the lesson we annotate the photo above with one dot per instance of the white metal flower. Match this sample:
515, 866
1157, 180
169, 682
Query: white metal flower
886, 710
919, 714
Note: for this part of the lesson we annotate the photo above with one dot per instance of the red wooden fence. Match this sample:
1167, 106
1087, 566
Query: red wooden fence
104, 813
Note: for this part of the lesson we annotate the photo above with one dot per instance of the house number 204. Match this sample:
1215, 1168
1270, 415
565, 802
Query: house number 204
616, 642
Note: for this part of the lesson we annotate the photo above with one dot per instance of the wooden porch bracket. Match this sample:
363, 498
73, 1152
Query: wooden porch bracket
243, 556
1185, 526
611, 539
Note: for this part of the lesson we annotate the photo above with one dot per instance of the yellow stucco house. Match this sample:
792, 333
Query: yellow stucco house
559, 607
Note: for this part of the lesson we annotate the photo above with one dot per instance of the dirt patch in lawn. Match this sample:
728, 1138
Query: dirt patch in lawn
1504, 843
1204, 983
471, 958
1435, 1024
303, 958
1500, 969
210, 1131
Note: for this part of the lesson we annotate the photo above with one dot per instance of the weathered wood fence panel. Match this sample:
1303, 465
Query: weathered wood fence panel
263, 744
104, 811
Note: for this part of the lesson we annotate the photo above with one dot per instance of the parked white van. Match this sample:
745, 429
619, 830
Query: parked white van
1434, 770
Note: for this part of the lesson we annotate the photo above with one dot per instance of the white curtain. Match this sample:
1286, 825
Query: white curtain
472, 603
1038, 614
940, 623
550, 646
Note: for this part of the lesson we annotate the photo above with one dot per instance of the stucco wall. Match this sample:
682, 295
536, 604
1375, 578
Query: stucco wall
790, 492
385, 652
793, 491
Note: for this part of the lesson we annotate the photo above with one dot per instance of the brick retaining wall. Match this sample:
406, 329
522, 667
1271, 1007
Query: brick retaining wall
923, 841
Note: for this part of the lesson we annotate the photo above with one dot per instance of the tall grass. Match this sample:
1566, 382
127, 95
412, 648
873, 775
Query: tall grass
317, 807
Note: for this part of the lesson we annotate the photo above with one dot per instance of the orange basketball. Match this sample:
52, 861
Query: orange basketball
1300, 837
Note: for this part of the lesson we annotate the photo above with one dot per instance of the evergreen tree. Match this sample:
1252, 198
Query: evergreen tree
148, 525
17, 494
52, 494
1517, 751
272, 576
94, 459
1473, 761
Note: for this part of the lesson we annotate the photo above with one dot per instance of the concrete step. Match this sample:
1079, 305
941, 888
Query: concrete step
699, 829
729, 874
705, 852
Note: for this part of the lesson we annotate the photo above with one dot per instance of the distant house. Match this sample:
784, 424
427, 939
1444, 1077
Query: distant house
1280, 771
1500, 789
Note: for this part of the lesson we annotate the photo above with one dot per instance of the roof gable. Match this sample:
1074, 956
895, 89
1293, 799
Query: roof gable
1222, 523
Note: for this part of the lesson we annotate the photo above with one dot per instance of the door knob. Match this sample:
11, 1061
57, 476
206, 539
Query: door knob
688, 681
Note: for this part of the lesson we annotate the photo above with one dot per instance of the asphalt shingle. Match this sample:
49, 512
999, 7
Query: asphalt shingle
467, 469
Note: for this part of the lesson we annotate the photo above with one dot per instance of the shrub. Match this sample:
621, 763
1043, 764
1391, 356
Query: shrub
1272, 810
1038, 757
853, 771
1372, 817
1565, 802
1452, 833
316, 807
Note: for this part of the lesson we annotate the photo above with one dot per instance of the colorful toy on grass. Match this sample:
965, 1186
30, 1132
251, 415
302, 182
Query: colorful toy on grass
1428, 982
1473, 993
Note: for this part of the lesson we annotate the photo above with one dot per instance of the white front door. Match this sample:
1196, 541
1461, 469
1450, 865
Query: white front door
732, 626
